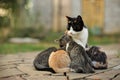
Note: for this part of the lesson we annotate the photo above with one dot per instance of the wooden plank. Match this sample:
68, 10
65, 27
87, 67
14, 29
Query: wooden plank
107, 75
61, 8
93, 12
10, 72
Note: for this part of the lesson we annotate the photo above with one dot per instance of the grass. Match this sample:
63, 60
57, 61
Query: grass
7, 48
106, 39
48, 41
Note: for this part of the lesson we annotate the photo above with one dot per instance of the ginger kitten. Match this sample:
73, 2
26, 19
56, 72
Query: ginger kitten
59, 61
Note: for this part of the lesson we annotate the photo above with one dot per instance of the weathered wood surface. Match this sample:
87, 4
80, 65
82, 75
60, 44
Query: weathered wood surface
20, 67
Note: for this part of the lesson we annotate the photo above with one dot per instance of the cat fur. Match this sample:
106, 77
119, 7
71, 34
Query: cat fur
41, 60
59, 61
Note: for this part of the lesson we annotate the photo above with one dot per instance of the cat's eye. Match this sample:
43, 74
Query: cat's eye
69, 21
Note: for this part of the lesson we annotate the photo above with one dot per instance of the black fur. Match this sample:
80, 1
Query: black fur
76, 23
41, 60
99, 56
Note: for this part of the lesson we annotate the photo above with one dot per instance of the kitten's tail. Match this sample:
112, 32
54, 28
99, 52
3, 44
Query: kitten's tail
42, 68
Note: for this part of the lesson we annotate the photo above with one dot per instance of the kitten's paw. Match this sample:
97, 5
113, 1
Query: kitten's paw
72, 70
67, 69
98, 65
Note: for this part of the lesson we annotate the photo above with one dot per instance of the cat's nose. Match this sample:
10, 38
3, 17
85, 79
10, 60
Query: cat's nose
61, 45
70, 32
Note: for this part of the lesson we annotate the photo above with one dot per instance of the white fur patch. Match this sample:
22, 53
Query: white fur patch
94, 63
80, 37
67, 45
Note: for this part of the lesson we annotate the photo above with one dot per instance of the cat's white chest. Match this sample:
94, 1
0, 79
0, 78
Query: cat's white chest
79, 37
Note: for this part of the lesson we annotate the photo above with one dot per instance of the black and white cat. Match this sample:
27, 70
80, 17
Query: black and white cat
77, 30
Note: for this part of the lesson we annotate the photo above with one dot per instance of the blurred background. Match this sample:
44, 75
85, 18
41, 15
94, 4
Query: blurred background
33, 25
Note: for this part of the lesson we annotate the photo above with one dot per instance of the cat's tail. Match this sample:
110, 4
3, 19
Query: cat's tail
42, 67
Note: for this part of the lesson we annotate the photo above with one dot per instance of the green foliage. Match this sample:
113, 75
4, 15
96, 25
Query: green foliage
4, 21
13, 4
28, 32
103, 39
39, 33
52, 36
95, 31
97, 37
48, 41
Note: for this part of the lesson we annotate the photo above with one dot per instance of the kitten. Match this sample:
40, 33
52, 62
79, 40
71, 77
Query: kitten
41, 60
63, 41
80, 62
77, 30
99, 58
59, 61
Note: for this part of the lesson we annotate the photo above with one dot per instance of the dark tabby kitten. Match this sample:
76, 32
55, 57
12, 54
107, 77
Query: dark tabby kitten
80, 62
41, 60
99, 58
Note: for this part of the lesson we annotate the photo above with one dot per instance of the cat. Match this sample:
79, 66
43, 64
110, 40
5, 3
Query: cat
80, 62
98, 57
77, 29
41, 60
59, 61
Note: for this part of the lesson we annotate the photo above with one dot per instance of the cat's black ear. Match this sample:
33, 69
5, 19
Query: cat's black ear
79, 17
69, 18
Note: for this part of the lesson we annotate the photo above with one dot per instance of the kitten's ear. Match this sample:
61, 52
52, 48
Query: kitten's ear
79, 17
97, 47
69, 18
